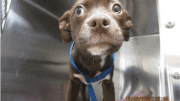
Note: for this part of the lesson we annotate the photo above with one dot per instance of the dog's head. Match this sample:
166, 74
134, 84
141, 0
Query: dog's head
97, 26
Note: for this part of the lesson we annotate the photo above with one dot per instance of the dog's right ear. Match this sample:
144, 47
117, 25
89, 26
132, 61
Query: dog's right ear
64, 26
128, 25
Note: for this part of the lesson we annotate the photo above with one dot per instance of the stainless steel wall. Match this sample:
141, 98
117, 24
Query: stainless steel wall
137, 66
144, 16
35, 61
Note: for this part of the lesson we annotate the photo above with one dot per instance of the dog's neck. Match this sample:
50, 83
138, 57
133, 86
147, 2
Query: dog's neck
90, 64
103, 58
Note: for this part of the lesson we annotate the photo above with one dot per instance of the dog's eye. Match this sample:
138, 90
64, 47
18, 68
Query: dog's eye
116, 8
79, 10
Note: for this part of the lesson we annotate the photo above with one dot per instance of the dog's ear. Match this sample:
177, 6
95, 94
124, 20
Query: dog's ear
64, 26
127, 24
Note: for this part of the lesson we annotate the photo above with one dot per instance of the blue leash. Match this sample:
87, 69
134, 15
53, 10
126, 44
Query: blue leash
94, 79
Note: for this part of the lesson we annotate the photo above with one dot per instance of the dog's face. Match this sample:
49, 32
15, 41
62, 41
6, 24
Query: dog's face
98, 27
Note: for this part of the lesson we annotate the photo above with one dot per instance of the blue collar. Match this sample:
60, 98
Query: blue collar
94, 79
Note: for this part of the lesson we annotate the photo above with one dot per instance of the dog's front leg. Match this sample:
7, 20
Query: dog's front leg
108, 90
73, 89
83, 92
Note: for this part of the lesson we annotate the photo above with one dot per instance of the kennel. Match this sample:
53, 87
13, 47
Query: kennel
34, 61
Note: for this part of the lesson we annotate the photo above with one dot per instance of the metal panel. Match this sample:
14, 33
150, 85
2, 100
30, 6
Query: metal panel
137, 66
5, 5
170, 51
34, 59
144, 16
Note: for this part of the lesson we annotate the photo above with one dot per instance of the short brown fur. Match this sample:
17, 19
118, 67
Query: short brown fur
78, 28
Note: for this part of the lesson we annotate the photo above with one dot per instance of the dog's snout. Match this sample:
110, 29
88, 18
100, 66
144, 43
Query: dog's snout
99, 21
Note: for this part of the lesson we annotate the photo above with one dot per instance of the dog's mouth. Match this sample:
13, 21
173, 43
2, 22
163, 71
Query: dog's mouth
99, 49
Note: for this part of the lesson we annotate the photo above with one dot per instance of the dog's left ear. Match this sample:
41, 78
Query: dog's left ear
128, 25
64, 26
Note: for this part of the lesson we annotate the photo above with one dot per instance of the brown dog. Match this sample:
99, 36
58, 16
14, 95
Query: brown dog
98, 28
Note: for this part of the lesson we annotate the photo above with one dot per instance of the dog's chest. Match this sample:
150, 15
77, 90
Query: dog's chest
103, 58
98, 91
97, 86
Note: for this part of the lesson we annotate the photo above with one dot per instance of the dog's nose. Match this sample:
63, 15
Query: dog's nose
99, 21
